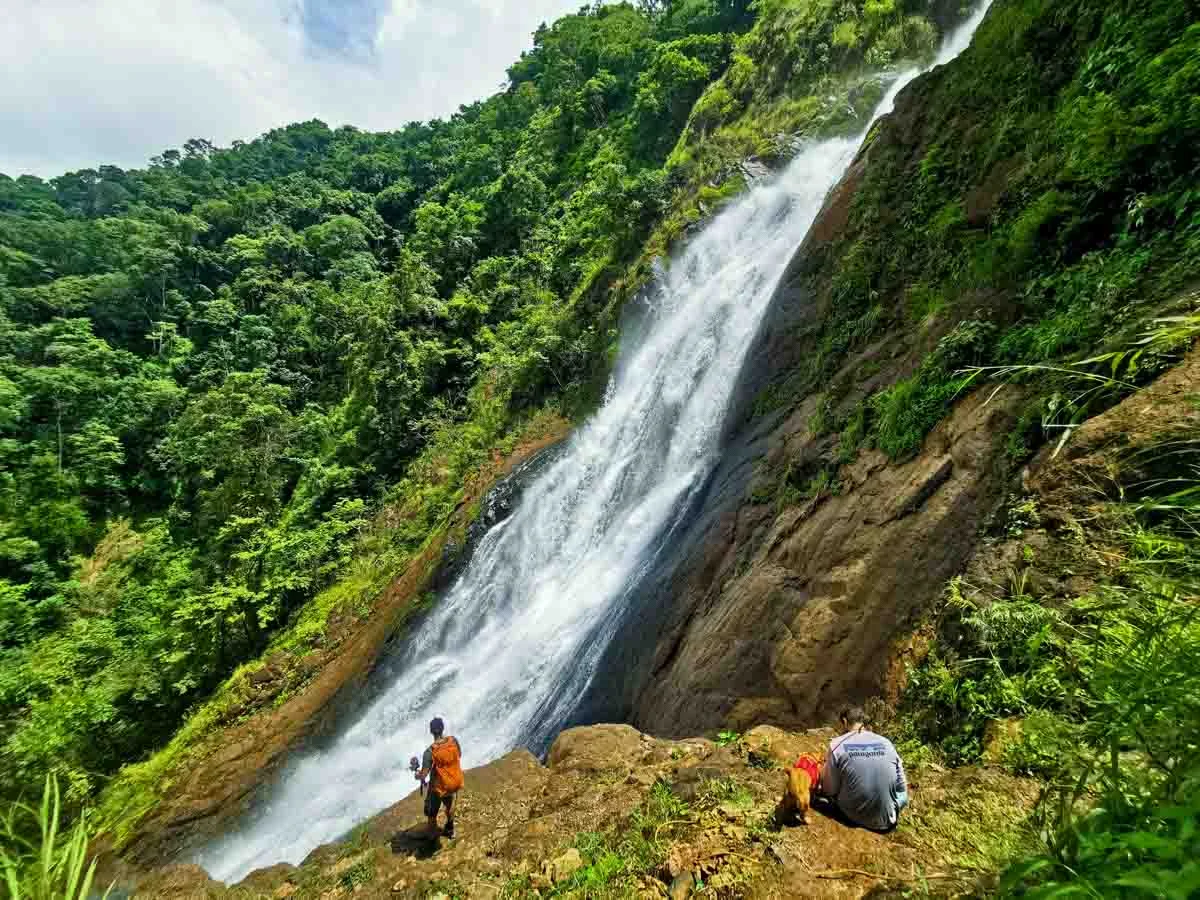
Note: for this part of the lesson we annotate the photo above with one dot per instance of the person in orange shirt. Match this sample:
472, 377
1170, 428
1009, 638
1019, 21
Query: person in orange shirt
442, 760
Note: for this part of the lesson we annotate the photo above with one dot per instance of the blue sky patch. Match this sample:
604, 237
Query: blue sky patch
348, 27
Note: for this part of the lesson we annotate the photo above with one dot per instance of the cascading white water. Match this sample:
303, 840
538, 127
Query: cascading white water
515, 641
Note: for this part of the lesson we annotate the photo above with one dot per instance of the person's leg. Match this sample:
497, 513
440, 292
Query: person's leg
432, 802
448, 802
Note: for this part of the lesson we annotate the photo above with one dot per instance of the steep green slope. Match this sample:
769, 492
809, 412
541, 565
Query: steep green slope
1041, 201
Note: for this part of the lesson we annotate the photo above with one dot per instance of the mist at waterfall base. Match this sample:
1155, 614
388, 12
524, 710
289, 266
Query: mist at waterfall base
508, 651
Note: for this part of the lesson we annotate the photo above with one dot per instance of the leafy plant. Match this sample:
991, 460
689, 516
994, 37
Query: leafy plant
1122, 820
1105, 689
1089, 385
53, 865
613, 859
728, 738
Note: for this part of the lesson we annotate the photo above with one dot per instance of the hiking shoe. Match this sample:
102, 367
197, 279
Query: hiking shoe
449, 832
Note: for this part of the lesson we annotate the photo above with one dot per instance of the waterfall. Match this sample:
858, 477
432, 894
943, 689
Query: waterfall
505, 655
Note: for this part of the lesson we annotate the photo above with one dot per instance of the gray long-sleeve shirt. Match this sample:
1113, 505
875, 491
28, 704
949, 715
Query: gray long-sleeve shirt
864, 775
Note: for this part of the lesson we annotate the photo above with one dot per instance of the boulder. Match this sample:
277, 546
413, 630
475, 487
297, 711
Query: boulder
270, 880
183, 881
596, 748
564, 866
754, 169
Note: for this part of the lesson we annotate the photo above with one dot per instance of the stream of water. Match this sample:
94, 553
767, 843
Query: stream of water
505, 655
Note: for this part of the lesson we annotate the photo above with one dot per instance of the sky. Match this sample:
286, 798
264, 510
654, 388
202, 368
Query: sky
91, 82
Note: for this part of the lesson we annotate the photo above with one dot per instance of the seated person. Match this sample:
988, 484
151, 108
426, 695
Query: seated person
864, 776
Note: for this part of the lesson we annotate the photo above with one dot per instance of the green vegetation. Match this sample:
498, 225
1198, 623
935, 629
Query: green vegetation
245, 378
789, 78
1098, 690
1046, 200
53, 866
975, 831
905, 412
617, 862
728, 738
1040, 224
243, 388
1104, 686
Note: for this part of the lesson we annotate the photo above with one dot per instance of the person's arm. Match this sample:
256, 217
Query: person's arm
426, 764
830, 777
901, 782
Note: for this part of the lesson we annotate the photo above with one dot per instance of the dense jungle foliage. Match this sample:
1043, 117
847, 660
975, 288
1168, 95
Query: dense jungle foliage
1051, 210
218, 374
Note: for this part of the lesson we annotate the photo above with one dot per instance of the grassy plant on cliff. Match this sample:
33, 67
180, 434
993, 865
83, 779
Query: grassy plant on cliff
1106, 688
1045, 189
614, 860
1068, 395
41, 859
1123, 816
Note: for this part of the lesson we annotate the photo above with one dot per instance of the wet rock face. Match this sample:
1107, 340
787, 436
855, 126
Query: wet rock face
496, 506
787, 616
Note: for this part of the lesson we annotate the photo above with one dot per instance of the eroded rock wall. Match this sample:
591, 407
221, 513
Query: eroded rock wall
788, 612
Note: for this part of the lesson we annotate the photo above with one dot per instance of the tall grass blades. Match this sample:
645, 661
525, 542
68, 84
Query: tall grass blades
1088, 386
38, 859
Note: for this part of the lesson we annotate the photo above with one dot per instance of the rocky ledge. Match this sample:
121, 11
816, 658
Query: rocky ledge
615, 812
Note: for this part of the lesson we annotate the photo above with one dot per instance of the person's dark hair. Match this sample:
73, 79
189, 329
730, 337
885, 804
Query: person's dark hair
853, 715
437, 727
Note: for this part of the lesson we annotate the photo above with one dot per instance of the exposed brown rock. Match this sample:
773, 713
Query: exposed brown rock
595, 749
1106, 451
811, 620
184, 882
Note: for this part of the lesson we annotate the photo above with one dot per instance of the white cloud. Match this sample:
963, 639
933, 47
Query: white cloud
87, 82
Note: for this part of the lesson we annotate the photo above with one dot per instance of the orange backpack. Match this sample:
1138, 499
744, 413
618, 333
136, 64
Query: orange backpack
447, 772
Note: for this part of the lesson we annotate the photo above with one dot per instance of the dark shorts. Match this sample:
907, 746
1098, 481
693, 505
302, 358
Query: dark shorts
433, 803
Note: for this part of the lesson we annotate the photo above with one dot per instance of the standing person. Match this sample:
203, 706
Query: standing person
443, 758
863, 775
